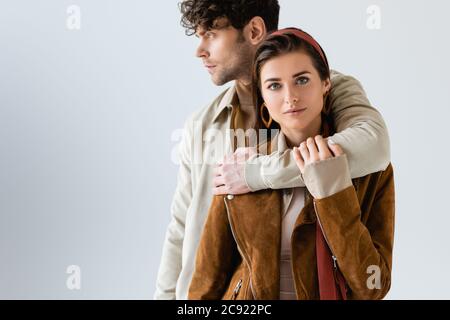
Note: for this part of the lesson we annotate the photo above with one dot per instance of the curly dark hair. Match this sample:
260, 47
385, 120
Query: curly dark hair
204, 13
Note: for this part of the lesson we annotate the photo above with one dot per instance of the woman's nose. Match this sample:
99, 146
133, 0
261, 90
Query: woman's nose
290, 98
292, 101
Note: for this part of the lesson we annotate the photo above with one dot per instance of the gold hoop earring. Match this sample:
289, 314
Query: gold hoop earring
267, 123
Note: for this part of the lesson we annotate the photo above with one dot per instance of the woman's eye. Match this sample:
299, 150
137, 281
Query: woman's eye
302, 80
274, 86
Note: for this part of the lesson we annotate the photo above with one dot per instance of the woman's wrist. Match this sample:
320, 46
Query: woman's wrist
327, 177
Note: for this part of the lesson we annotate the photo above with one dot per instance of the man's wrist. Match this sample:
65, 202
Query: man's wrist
252, 174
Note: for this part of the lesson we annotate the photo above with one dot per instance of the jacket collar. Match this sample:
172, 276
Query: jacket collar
226, 102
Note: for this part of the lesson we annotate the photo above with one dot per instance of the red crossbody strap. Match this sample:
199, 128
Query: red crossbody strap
331, 281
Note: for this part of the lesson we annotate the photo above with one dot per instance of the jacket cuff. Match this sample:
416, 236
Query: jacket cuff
327, 177
252, 174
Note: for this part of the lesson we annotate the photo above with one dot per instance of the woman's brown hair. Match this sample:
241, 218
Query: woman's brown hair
276, 45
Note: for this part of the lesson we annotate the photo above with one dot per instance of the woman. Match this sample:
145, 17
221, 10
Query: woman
330, 240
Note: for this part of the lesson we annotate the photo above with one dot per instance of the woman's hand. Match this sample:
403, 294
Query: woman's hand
314, 150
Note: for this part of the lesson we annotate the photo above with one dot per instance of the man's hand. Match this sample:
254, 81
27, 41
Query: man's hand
313, 150
229, 174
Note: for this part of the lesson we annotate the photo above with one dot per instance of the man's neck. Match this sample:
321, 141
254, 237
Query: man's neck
244, 93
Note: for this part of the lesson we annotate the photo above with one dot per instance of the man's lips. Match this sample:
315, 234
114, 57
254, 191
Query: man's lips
209, 66
294, 110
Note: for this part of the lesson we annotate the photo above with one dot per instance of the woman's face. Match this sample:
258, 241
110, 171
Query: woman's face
292, 90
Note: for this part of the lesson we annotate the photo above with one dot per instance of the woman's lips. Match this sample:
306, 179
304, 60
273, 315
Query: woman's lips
294, 111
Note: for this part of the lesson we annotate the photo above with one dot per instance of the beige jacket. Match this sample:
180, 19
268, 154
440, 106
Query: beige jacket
362, 134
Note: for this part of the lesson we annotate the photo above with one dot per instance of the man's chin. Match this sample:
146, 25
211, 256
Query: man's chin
219, 81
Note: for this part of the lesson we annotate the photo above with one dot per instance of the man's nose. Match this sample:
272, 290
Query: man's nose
201, 52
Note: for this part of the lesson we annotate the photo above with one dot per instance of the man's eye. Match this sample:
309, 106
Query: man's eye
302, 80
274, 86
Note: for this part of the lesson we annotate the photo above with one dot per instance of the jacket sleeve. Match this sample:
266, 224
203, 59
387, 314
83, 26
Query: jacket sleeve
170, 265
361, 132
217, 255
363, 250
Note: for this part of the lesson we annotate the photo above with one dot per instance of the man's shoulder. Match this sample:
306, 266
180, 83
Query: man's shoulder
337, 77
344, 86
208, 112
204, 117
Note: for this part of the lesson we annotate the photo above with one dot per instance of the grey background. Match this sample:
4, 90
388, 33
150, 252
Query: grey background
86, 124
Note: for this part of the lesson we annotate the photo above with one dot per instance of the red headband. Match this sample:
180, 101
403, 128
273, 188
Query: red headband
304, 36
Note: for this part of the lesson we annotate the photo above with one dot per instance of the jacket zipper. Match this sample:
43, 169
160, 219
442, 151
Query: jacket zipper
239, 249
335, 266
236, 289
326, 240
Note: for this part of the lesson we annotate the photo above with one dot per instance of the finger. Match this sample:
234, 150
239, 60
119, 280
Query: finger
324, 151
225, 159
241, 150
298, 159
218, 170
220, 190
304, 152
313, 152
218, 181
336, 149
251, 150
229, 158
240, 157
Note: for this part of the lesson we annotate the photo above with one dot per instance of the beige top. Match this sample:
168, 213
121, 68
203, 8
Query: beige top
293, 203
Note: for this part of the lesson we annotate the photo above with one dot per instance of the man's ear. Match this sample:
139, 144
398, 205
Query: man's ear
255, 30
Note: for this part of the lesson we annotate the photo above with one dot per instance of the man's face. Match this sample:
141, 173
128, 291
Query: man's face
225, 52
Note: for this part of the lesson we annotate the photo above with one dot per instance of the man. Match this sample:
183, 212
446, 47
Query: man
229, 32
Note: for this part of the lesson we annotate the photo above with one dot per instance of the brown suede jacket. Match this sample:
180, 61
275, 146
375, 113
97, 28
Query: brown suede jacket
239, 253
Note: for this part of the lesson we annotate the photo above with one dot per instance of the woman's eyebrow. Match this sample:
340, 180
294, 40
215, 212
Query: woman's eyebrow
300, 73
272, 79
294, 76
